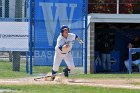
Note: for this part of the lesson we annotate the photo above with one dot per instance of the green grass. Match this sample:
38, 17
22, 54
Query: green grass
136, 83
105, 76
6, 72
64, 89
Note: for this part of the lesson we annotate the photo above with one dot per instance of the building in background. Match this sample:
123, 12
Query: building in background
12, 9
114, 6
120, 17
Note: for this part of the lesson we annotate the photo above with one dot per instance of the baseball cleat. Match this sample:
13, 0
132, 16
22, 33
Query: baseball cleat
66, 71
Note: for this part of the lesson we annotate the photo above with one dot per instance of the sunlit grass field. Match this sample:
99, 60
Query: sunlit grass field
63, 89
7, 73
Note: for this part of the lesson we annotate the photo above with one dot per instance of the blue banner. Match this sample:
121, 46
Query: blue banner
50, 15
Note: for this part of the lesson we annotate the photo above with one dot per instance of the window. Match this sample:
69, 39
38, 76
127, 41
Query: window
6, 8
18, 10
0, 8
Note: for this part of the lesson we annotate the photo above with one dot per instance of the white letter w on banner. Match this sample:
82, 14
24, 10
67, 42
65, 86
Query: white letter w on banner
60, 14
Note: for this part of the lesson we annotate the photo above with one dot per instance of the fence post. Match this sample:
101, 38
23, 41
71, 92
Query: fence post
16, 61
10, 56
27, 65
86, 14
30, 36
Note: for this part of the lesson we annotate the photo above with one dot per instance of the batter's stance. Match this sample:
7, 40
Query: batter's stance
63, 50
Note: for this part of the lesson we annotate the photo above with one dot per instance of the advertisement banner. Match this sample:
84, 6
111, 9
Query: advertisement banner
14, 36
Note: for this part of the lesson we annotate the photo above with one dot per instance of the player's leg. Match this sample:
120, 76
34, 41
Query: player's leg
126, 62
104, 61
66, 71
108, 62
56, 63
70, 64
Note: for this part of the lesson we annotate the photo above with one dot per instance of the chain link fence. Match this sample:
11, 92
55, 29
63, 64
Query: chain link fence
49, 16
13, 12
18, 11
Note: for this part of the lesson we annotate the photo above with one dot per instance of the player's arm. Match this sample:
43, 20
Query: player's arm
79, 40
59, 44
75, 37
60, 47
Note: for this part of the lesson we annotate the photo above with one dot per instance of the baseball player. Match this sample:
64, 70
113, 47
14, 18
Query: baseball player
63, 50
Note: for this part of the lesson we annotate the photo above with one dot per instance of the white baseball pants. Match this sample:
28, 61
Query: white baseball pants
58, 57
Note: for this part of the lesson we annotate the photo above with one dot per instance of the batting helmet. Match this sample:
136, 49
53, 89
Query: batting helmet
64, 27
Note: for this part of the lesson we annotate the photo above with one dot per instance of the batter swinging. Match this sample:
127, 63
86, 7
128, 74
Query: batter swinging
63, 50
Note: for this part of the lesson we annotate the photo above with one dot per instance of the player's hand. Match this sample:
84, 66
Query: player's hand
66, 46
80, 41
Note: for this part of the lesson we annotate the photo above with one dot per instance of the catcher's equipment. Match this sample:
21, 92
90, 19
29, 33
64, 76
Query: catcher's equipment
79, 40
64, 27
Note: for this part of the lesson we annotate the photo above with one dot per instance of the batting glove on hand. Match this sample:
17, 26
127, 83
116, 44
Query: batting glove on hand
80, 41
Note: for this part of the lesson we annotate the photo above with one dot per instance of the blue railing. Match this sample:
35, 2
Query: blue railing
132, 50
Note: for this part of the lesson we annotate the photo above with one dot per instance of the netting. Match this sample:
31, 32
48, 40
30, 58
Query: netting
49, 16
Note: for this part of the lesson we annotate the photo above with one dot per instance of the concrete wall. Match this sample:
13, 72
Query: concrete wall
91, 31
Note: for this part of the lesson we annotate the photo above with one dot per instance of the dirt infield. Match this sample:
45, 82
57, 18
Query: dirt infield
111, 83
